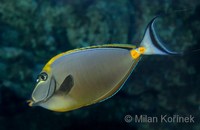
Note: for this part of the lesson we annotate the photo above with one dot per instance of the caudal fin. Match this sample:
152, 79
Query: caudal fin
151, 42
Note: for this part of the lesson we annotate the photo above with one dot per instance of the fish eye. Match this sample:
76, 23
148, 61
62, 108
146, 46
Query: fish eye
43, 76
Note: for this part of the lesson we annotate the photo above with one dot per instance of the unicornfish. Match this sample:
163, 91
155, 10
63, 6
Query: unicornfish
86, 76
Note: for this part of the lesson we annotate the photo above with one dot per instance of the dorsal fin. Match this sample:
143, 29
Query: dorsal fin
125, 46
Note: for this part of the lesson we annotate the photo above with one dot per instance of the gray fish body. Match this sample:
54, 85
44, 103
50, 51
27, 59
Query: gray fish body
96, 72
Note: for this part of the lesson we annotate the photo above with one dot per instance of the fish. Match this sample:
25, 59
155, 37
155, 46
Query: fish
85, 76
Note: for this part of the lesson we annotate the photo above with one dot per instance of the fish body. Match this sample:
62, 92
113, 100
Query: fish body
89, 75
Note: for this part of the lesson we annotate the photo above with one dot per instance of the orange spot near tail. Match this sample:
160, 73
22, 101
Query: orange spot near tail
142, 50
137, 52
134, 54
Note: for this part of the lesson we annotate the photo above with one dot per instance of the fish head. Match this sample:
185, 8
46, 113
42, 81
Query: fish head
44, 89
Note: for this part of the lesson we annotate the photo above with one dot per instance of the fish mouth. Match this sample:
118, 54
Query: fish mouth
32, 103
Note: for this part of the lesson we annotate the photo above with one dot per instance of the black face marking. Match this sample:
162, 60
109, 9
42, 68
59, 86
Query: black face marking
67, 84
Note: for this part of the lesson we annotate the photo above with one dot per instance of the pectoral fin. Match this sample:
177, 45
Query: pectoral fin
66, 85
